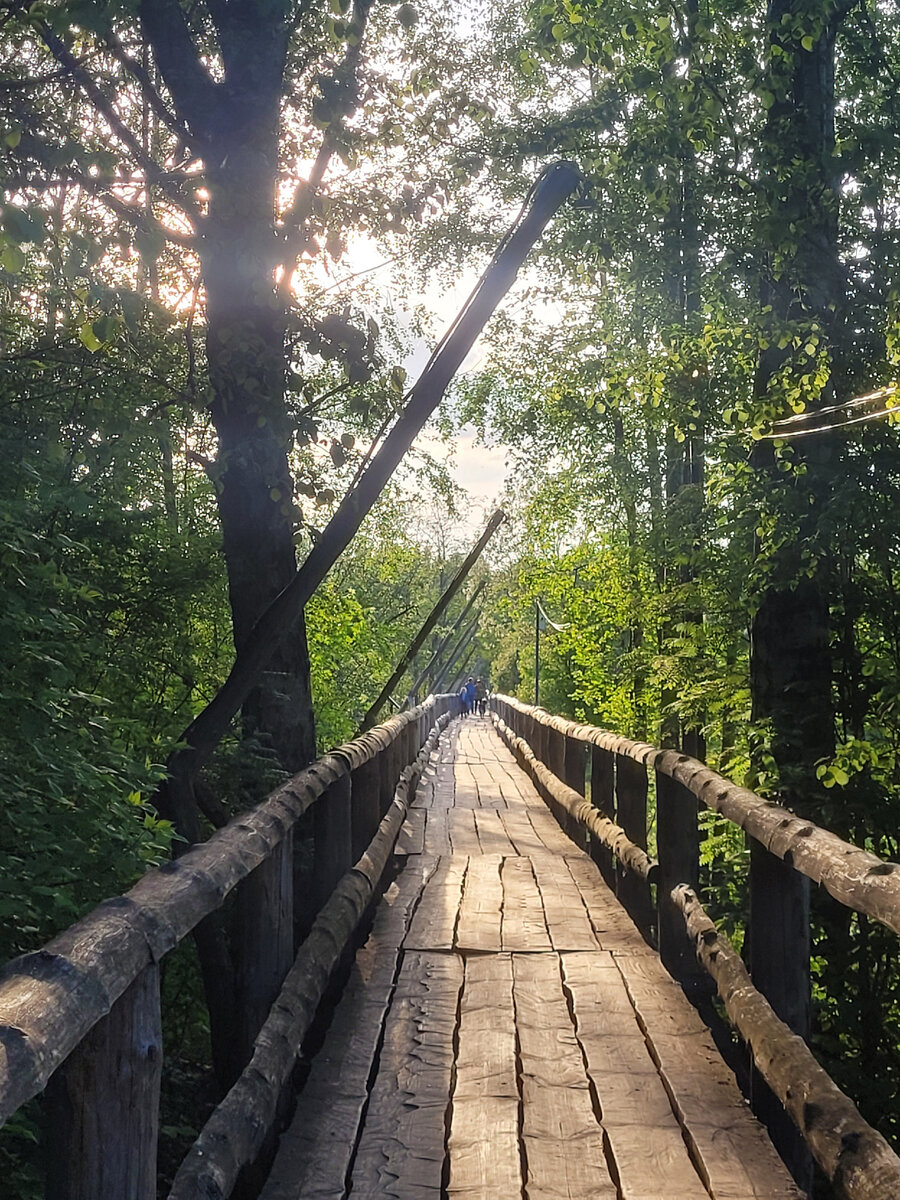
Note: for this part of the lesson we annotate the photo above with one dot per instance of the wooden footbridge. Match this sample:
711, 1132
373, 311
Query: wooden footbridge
507, 1028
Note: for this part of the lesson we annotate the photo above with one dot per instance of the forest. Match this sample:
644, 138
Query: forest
230, 231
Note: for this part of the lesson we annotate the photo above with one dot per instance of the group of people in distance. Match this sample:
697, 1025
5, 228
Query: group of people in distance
473, 696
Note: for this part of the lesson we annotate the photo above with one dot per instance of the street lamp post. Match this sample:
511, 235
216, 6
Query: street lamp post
541, 621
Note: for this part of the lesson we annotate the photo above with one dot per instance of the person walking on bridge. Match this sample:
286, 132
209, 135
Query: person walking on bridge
480, 696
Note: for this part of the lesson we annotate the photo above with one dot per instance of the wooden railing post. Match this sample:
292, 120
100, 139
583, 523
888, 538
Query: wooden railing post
333, 826
263, 940
631, 810
556, 751
678, 852
387, 778
103, 1104
573, 774
779, 947
603, 797
365, 804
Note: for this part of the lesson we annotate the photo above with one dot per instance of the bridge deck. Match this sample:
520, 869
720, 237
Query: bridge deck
506, 1032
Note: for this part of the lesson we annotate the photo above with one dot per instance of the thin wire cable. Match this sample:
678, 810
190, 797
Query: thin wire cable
789, 435
880, 394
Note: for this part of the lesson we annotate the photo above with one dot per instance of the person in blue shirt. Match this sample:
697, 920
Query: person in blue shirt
470, 695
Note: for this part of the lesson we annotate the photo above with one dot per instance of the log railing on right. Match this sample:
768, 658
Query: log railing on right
559, 754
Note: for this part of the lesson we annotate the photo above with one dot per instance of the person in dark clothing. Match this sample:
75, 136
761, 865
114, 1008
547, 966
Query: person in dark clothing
480, 696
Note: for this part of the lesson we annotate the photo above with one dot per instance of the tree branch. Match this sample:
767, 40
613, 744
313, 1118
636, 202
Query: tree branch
155, 173
193, 91
149, 91
298, 233
132, 213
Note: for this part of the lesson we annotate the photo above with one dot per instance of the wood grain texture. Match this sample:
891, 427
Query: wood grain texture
564, 910
315, 1151
103, 1104
562, 1137
484, 1130
481, 909
524, 927
434, 924
402, 1148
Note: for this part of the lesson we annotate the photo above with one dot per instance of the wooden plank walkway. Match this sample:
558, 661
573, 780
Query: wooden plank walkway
507, 1033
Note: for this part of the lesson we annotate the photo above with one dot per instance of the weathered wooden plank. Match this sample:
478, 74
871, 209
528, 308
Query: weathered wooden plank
606, 914
489, 795
314, 1153
402, 1148
462, 830
492, 833
564, 911
562, 1136
521, 833
605, 1020
738, 1162
480, 912
466, 792
484, 1130
652, 1163
434, 924
662, 1008
437, 832
523, 927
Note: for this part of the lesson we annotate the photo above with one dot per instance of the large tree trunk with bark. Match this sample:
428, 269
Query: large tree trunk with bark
245, 352
238, 122
790, 659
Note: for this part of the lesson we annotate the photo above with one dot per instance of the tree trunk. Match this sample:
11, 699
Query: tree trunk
245, 352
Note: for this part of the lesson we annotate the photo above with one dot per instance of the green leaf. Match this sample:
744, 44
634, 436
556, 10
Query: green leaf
88, 338
808, 42
12, 259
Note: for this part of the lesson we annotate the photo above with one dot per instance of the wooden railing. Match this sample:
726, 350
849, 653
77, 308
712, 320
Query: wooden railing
612, 827
82, 1016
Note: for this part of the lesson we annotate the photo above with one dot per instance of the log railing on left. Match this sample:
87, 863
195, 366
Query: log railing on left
81, 1017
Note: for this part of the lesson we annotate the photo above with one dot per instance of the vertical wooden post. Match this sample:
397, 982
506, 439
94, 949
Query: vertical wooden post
103, 1104
631, 809
574, 775
779, 966
603, 796
365, 805
263, 940
678, 851
333, 826
556, 751
386, 777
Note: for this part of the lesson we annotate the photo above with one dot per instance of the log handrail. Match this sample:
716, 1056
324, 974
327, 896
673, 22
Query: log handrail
611, 835
50, 999
854, 876
853, 1155
237, 1129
